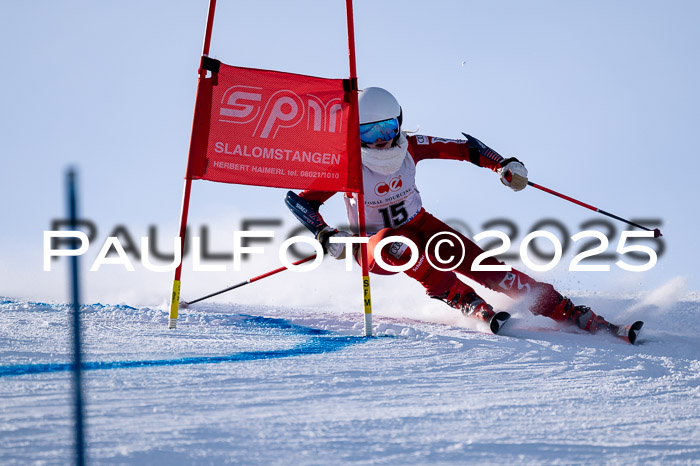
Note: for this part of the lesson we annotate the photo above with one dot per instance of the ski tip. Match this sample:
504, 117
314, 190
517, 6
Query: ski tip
633, 332
497, 321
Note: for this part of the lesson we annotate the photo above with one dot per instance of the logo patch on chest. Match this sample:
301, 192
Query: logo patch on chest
383, 187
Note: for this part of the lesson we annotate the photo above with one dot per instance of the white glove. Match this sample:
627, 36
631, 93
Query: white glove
336, 250
513, 174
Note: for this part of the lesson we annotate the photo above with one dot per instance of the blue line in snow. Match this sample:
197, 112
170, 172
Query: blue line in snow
320, 341
314, 345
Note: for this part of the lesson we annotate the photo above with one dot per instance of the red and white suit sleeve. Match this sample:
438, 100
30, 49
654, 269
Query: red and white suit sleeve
427, 147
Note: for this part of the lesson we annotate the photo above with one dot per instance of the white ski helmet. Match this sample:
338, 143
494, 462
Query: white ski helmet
377, 104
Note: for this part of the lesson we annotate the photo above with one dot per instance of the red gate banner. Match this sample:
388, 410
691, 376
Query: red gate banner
268, 128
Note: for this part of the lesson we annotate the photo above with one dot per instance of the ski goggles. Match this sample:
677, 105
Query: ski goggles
384, 130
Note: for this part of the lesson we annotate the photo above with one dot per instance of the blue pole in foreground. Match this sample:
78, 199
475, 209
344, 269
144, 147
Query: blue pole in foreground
77, 350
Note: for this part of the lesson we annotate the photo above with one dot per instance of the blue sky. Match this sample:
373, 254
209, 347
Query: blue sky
599, 99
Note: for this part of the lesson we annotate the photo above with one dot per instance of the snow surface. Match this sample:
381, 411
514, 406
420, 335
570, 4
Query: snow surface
260, 385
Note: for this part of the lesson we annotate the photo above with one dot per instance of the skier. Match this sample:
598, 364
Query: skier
393, 207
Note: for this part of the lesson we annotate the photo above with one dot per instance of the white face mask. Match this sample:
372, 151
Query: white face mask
386, 161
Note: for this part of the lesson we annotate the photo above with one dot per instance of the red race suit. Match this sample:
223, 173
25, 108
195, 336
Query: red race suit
393, 207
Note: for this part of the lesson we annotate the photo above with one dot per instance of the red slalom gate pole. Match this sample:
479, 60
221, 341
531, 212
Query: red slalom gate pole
354, 114
175, 295
657, 232
246, 282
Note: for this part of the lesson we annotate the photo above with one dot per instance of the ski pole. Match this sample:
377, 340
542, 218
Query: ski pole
250, 280
656, 231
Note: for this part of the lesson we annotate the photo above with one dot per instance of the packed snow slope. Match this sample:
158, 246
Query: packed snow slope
259, 385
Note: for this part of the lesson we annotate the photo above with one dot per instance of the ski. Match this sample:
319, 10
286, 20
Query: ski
629, 333
497, 321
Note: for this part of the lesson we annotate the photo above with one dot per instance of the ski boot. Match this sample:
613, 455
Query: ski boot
584, 318
473, 306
